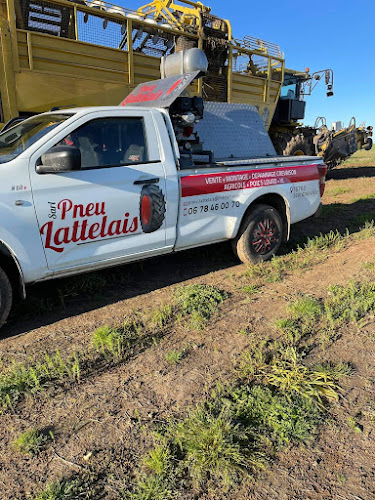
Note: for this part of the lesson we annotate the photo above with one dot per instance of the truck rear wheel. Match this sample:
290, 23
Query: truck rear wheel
260, 235
6, 297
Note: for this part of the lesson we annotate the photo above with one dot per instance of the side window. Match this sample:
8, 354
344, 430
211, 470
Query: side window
109, 142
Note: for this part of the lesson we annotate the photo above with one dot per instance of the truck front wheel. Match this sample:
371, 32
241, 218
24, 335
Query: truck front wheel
260, 235
6, 296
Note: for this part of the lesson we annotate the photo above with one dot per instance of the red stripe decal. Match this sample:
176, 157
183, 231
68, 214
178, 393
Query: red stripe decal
195, 185
176, 84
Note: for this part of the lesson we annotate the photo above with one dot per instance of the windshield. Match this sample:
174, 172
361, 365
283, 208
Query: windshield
17, 139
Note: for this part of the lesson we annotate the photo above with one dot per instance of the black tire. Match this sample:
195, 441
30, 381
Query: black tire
151, 208
368, 144
299, 145
280, 142
260, 236
6, 297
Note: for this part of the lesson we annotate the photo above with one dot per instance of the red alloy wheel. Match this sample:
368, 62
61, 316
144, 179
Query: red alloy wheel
265, 236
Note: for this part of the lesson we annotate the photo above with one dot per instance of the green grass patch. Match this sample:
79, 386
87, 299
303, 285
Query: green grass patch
370, 196
34, 377
213, 446
349, 303
308, 309
199, 303
117, 343
152, 487
278, 419
31, 442
367, 231
368, 268
304, 315
251, 289
289, 376
338, 190
314, 251
78, 487
175, 356
161, 316
291, 329
233, 434
361, 157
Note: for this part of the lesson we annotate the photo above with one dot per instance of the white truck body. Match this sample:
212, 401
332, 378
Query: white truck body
58, 224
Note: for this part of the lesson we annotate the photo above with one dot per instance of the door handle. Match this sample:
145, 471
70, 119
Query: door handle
152, 180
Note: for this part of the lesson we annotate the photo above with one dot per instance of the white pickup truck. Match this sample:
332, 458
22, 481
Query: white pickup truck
87, 188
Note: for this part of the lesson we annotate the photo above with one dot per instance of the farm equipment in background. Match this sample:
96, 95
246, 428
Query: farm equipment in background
60, 53
290, 137
339, 143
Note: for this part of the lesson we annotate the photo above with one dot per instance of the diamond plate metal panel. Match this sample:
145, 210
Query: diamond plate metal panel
234, 131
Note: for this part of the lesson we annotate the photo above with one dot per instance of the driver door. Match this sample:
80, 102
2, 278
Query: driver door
103, 211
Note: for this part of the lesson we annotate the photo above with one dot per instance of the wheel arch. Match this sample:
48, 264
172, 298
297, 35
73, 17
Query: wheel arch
11, 266
276, 201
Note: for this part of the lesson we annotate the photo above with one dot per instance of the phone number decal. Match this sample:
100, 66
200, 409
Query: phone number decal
210, 207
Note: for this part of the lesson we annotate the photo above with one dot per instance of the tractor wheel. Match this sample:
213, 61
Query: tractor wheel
260, 235
280, 142
6, 297
151, 208
299, 145
368, 144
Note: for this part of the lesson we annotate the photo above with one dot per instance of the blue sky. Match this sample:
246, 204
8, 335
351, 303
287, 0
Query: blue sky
337, 34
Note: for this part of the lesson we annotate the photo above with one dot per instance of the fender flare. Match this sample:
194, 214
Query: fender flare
11, 255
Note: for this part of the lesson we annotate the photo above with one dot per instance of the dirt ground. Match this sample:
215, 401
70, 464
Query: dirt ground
109, 413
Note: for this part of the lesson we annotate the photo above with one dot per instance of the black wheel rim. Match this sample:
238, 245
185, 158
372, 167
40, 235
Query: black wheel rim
265, 236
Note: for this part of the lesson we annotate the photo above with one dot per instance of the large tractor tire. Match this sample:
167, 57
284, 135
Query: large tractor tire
151, 208
6, 297
299, 145
294, 145
260, 235
368, 144
280, 142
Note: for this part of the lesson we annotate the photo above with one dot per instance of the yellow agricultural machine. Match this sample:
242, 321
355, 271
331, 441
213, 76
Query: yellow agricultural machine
58, 53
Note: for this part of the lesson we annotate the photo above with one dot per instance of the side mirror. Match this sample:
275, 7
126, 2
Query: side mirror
60, 159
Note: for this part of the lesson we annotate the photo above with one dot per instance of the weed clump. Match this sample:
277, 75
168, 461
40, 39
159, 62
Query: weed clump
214, 447
304, 314
77, 487
117, 343
349, 303
251, 289
162, 315
199, 302
23, 378
174, 357
30, 442
277, 419
276, 402
289, 376
314, 251
151, 487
